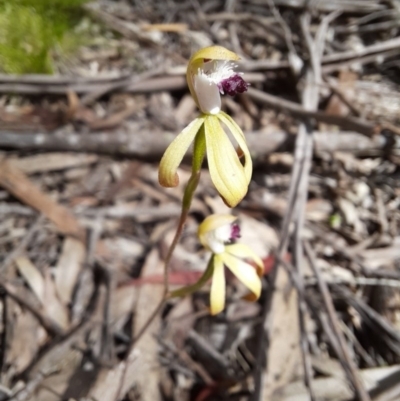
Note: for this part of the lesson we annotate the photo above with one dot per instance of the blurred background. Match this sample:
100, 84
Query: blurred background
91, 94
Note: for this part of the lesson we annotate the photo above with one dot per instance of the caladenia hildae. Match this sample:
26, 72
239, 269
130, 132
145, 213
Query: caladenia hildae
210, 73
218, 233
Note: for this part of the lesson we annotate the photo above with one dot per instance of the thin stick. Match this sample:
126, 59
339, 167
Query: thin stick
330, 308
23, 244
186, 203
160, 305
49, 324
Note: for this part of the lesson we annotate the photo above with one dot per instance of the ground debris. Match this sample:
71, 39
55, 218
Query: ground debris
85, 226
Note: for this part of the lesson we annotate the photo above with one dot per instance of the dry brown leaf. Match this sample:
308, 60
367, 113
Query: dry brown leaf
68, 268
345, 88
26, 337
19, 185
142, 363
58, 367
336, 388
44, 289
32, 276
148, 377
121, 248
111, 382
122, 301
169, 27
73, 104
52, 304
51, 162
179, 322
376, 258
115, 119
283, 354
259, 236
318, 209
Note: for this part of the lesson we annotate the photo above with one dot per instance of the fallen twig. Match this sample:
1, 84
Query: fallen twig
347, 123
141, 144
49, 324
19, 185
350, 365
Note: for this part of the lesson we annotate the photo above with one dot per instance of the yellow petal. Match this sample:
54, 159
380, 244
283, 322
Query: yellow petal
197, 60
242, 251
241, 140
244, 272
167, 172
227, 173
217, 294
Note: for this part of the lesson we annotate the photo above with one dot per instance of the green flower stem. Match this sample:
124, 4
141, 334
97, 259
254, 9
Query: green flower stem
199, 150
181, 292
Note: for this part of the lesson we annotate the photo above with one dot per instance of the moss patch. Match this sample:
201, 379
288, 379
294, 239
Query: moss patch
32, 31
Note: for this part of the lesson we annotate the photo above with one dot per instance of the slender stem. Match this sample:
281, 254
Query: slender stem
178, 233
187, 200
181, 292
199, 151
198, 157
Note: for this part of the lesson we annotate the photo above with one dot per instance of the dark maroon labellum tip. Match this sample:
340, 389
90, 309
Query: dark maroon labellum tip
235, 232
233, 85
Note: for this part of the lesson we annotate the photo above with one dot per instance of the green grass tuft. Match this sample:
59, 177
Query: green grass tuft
31, 30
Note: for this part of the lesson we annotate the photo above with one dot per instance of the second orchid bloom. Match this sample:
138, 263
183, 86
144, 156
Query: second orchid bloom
211, 73
216, 233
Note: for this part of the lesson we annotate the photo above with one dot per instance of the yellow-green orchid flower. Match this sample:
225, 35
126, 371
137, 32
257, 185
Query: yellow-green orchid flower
216, 234
210, 73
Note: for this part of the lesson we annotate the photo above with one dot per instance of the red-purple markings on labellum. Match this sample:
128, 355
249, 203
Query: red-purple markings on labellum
233, 85
235, 232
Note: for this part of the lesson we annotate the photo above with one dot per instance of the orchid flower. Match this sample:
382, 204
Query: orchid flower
216, 234
210, 73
